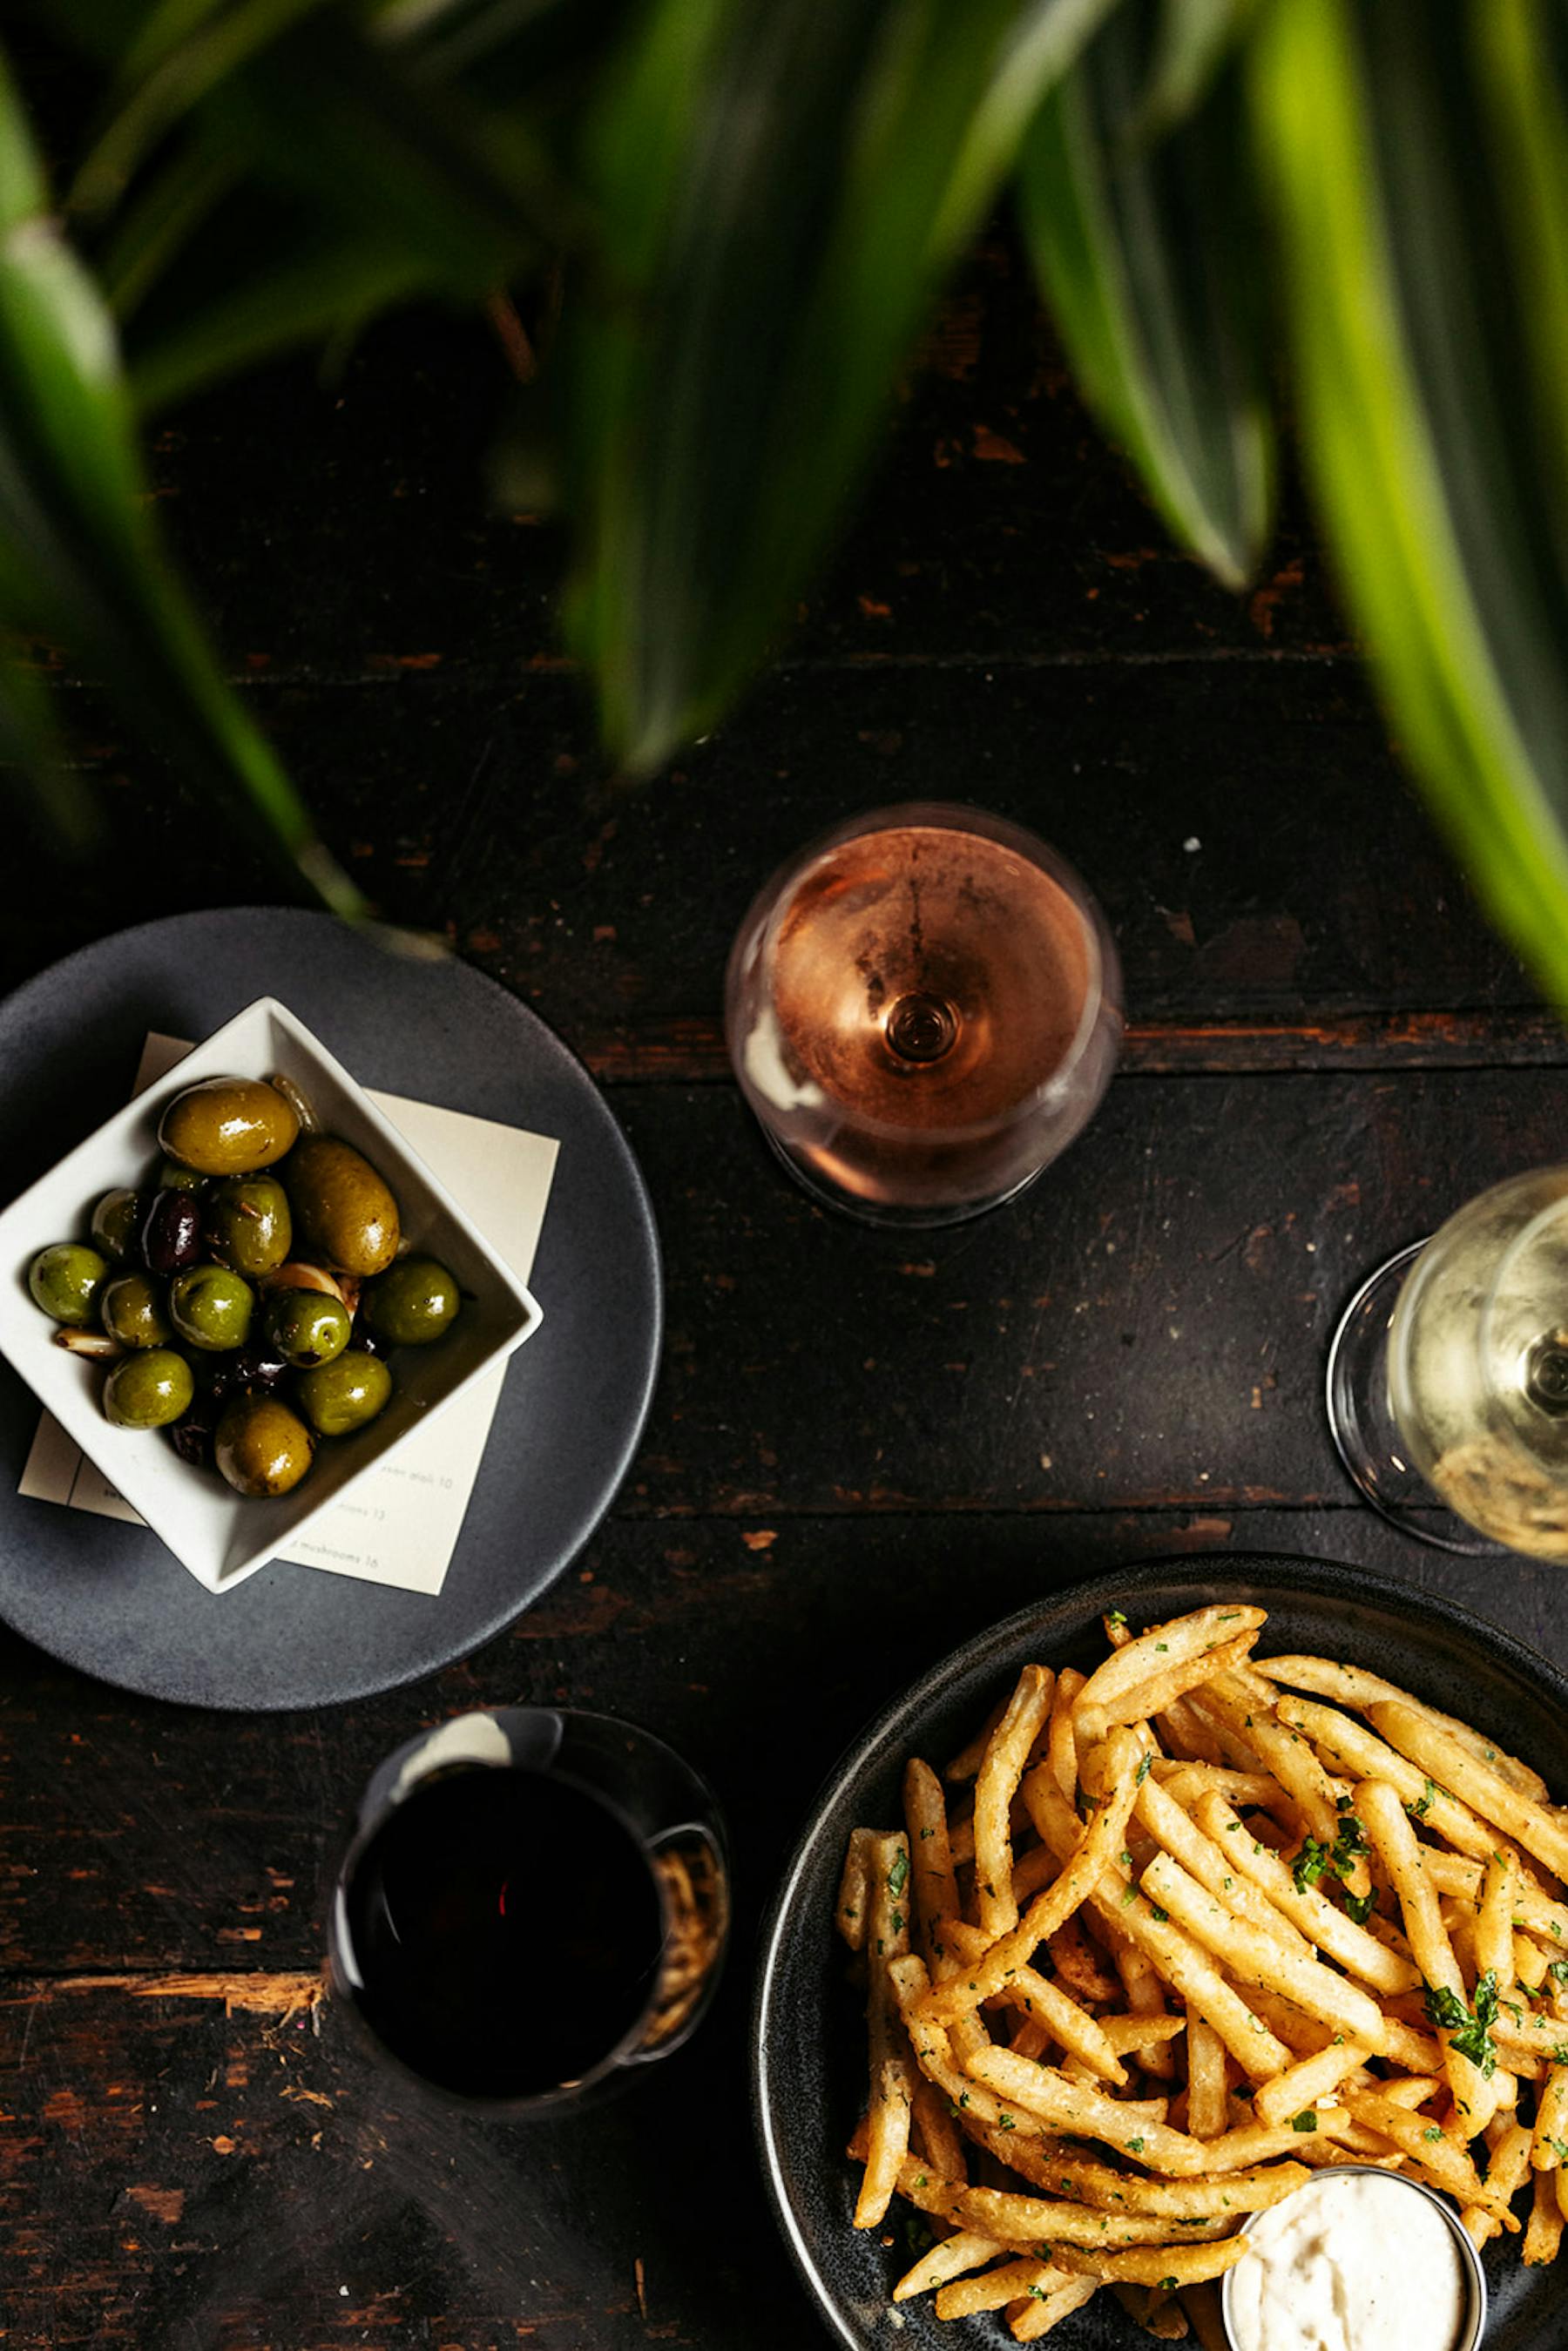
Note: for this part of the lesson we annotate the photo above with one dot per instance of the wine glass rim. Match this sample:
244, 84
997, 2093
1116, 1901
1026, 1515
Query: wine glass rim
960, 817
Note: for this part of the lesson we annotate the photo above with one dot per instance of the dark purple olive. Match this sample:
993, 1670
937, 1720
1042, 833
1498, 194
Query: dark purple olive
192, 1434
171, 1235
243, 1370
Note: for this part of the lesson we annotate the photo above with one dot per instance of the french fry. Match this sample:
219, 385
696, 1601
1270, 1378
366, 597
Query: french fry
1379, 1806
1048, 2309
1257, 1959
1352, 1685
1306, 1908
1494, 1922
1545, 2233
1291, 2092
1160, 2265
941, 2139
1159, 2315
1207, 2116
933, 1888
854, 1890
1446, 2160
1440, 1756
1163, 1663
1061, 1748
969, 2296
1507, 2172
948, 2259
1186, 1734
1188, 1782
892, 2082
1206, 2198
995, 1783
1135, 2035
1101, 1842
1032, 2220
1549, 2144
1315, 1792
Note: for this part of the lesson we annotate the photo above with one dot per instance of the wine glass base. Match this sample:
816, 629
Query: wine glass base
877, 1212
1365, 1431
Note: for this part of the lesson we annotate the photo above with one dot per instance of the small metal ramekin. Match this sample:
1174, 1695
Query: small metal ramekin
1470, 2261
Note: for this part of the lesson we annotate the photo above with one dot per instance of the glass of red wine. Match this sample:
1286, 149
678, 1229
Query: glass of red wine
534, 1900
923, 1008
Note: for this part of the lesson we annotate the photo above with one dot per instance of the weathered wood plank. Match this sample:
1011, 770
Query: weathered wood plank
1147, 1327
1316, 894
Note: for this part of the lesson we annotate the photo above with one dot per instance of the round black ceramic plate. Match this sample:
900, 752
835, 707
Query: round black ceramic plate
108, 1597
809, 2039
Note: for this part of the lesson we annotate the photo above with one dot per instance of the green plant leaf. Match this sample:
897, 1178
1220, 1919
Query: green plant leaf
1142, 249
312, 297
1413, 247
782, 188
1193, 40
79, 557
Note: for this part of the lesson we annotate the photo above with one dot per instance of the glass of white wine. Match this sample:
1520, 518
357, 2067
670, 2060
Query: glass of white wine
1448, 1380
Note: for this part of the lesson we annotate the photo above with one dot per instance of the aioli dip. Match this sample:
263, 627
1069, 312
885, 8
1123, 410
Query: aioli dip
1354, 2262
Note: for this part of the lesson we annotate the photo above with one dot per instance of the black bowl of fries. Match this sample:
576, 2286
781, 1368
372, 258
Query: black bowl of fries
1141, 1909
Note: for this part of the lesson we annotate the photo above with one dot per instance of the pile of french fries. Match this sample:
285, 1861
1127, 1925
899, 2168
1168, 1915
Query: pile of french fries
1175, 1934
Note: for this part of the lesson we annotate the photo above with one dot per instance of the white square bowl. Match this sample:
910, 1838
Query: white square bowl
221, 1536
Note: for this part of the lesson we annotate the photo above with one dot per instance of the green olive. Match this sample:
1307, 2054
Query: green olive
175, 1176
66, 1280
261, 1446
308, 1329
228, 1126
133, 1313
412, 1302
248, 1225
115, 1222
343, 1395
345, 1215
148, 1390
211, 1307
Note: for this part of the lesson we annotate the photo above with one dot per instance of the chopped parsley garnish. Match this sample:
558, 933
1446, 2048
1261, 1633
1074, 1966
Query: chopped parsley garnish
897, 1873
1142, 1773
1469, 2030
1432, 2135
1005, 2122
1159, 1916
1134, 2146
1117, 1617
1305, 2121
1311, 1862
1359, 1907
1419, 1810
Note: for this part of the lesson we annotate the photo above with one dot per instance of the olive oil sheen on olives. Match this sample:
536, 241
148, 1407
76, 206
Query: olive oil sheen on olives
505, 1929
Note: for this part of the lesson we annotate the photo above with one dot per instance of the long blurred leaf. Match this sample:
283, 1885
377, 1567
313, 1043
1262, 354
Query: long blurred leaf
1142, 249
1195, 38
78, 553
1412, 288
783, 187
309, 299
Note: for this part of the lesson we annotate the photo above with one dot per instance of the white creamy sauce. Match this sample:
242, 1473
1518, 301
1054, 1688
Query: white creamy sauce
1350, 2264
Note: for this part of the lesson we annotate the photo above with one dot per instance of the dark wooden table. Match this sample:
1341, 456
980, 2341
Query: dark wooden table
864, 1446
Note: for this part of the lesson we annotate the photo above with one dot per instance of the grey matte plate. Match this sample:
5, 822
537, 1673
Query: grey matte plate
109, 1598
808, 2037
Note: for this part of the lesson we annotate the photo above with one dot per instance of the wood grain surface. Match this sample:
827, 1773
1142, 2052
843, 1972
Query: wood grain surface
865, 1446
